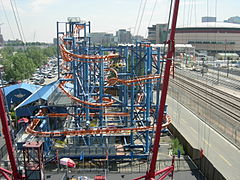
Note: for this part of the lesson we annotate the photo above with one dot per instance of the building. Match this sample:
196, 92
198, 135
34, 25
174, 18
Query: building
213, 37
102, 38
108, 39
235, 19
123, 36
227, 56
97, 37
157, 34
209, 19
55, 41
137, 38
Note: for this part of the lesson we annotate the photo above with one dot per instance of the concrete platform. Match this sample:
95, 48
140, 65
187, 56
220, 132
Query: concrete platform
222, 154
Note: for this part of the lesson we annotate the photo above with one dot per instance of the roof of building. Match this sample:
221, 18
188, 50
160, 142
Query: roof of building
228, 54
176, 45
42, 93
29, 87
211, 25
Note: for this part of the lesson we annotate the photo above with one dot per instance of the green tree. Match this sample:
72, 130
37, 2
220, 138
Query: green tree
21, 64
175, 145
18, 67
50, 51
7, 51
36, 54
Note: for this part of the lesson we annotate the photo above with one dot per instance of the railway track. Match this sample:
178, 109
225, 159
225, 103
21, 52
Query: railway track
226, 82
235, 100
218, 99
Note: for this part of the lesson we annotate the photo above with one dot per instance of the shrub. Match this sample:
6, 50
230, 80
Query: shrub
175, 145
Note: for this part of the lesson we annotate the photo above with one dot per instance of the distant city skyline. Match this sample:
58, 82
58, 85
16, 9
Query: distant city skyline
39, 17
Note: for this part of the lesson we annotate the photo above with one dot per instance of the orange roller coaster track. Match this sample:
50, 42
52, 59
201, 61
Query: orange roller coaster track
82, 56
90, 114
108, 101
30, 129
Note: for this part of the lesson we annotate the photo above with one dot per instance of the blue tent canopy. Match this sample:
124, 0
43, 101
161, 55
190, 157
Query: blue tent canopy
17, 93
42, 93
49, 95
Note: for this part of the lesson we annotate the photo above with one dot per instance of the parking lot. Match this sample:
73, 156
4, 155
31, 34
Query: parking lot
46, 74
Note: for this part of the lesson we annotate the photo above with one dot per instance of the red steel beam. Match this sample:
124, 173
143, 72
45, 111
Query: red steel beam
151, 173
8, 139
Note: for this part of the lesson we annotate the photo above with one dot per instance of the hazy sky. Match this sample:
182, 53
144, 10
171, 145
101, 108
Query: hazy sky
39, 17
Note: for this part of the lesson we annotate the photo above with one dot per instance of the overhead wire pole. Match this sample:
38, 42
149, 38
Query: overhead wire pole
4, 11
139, 10
20, 23
154, 6
151, 173
140, 22
15, 17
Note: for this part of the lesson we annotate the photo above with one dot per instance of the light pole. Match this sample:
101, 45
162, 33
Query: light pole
218, 65
203, 66
226, 58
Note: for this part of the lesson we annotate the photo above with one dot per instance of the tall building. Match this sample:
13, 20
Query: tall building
102, 38
97, 37
123, 36
235, 20
157, 34
209, 19
137, 38
108, 39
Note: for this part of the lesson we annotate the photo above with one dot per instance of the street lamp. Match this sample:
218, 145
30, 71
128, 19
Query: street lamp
226, 58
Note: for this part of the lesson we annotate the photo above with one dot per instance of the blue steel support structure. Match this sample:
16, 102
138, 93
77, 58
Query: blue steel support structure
125, 88
90, 80
148, 87
133, 122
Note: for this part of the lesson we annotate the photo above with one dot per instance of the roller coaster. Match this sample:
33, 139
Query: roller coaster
111, 93
108, 83
117, 95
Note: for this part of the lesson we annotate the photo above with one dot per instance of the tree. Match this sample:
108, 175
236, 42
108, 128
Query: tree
21, 64
50, 51
18, 67
36, 55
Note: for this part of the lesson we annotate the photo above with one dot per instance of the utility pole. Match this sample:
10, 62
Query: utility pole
203, 66
218, 73
226, 58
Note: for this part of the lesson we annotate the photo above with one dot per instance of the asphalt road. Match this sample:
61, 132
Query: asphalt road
222, 154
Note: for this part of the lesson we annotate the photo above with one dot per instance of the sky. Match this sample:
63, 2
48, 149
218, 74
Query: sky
38, 17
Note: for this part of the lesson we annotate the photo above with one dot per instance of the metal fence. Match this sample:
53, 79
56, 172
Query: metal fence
132, 166
218, 120
111, 166
141, 167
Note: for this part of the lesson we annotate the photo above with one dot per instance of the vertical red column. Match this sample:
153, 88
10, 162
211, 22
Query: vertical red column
8, 139
151, 173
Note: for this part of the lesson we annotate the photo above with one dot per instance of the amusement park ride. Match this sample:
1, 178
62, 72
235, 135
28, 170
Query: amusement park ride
115, 93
